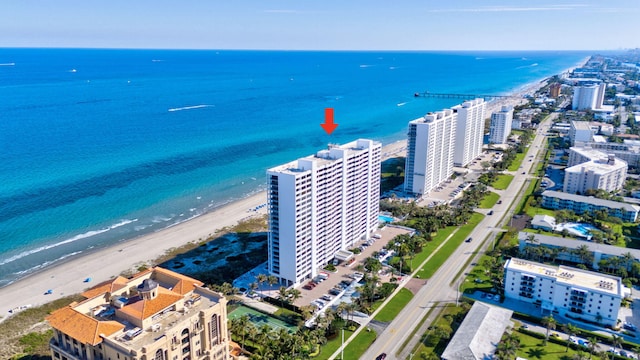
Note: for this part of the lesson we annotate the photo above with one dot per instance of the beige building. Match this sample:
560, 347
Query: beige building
155, 315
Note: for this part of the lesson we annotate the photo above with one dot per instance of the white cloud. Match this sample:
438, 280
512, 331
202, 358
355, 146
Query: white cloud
282, 11
560, 7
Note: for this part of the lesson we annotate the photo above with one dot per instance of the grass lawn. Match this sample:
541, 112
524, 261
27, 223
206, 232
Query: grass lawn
525, 199
532, 211
533, 348
479, 273
489, 200
502, 182
332, 345
393, 307
515, 165
429, 344
434, 243
443, 254
359, 345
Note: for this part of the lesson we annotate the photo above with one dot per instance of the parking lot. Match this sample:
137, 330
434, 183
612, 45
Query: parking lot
344, 272
452, 189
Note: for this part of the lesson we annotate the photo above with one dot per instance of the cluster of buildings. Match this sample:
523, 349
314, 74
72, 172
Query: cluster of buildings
590, 169
441, 140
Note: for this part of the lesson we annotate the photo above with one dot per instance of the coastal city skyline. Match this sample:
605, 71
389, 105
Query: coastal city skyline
292, 25
170, 191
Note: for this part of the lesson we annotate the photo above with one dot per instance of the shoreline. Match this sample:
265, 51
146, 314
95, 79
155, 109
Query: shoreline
67, 277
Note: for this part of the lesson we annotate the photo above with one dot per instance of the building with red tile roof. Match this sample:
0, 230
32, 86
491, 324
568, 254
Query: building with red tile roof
156, 314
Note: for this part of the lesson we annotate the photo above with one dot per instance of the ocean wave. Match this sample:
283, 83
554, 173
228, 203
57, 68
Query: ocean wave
402, 103
190, 107
67, 241
46, 263
159, 219
8, 64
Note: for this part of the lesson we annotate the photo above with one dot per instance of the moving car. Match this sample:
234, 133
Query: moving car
468, 240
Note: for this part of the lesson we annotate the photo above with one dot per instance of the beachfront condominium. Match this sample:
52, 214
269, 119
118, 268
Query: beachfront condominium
430, 148
500, 125
568, 291
469, 131
588, 97
320, 205
156, 315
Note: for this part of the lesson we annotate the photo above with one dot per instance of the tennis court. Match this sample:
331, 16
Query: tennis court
258, 319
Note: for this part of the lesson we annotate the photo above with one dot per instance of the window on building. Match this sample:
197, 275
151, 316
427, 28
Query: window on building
159, 355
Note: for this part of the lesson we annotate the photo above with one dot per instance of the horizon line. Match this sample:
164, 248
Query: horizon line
318, 50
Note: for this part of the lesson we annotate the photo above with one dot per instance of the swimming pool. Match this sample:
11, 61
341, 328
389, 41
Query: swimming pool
385, 219
578, 229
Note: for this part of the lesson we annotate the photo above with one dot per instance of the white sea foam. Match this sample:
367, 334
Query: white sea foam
67, 241
8, 64
402, 103
190, 107
47, 263
365, 65
159, 219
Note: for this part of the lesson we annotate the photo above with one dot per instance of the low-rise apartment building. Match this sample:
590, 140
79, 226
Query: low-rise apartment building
580, 204
569, 291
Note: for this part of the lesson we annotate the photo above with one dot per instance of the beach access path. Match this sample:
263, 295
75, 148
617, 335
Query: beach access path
68, 278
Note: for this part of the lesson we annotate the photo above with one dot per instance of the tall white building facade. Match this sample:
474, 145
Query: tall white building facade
578, 293
581, 132
588, 97
430, 148
469, 131
319, 205
501, 125
607, 174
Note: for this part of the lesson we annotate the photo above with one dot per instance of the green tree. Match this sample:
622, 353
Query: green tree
549, 323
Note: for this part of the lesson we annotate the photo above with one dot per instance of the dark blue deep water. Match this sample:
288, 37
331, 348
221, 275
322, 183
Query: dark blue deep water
98, 146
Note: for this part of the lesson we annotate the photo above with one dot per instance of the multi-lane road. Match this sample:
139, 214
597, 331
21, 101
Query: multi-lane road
438, 287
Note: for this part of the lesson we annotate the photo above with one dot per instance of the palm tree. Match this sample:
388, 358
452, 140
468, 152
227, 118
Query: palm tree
341, 308
593, 346
351, 308
262, 278
241, 325
570, 330
628, 259
294, 295
272, 280
282, 295
550, 323
616, 341
253, 286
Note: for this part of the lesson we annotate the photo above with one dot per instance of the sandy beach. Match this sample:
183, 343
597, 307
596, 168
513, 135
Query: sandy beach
68, 278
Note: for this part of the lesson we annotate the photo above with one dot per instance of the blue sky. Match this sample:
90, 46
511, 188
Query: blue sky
328, 24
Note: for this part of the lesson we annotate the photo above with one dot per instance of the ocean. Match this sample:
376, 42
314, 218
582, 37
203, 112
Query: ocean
100, 146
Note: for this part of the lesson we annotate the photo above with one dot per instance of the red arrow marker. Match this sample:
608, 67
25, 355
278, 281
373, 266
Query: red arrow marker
328, 124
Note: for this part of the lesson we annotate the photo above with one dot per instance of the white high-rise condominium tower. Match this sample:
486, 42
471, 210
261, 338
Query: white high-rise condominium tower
319, 205
469, 131
500, 125
588, 97
430, 148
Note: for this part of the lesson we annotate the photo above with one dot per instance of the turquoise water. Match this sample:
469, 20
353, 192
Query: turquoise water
99, 146
386, 219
